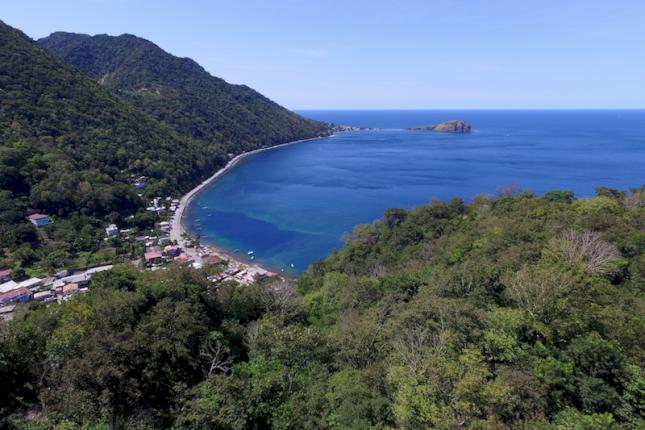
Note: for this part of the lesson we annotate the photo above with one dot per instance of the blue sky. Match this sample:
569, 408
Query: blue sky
437, 54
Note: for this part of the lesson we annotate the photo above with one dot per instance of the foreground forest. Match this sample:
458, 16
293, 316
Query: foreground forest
510, 312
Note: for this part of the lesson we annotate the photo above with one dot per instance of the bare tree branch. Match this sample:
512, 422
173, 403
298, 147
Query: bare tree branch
589, 249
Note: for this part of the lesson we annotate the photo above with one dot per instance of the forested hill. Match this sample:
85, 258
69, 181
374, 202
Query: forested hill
516, 312
71, 147
60, 129
68, 146
179, 92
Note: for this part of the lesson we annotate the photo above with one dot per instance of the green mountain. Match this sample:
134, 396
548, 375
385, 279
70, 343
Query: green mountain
180, 93
71, 147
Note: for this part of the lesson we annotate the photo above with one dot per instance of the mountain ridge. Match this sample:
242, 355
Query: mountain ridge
71, 148
180, 92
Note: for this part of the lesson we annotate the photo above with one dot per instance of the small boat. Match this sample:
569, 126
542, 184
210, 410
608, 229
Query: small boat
253, 257
292, 265
250, 253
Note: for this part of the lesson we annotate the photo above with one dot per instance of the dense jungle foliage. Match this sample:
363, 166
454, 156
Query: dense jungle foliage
180, 93
71, 148
510, 312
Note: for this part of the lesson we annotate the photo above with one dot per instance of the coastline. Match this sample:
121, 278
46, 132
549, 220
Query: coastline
177, 225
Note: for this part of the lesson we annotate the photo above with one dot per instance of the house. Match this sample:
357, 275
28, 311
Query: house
80, 279
31, 283
112, 230
163, 226
140, 183
8, 286
19, 295
62, 274
44, 296
70, 289
214, 260
6, 312
39, 220
164, 240
152, 257
184, 259
172, 250
5, 275
97, 269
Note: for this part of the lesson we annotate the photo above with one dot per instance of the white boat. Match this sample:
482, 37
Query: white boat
250, 253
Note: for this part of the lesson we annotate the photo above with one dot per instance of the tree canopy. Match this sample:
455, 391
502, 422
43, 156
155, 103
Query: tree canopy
513, 312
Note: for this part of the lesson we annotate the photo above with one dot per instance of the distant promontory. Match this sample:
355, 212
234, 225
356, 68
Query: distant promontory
454, 126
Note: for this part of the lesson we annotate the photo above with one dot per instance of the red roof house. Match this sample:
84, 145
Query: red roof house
152, 255
184, 259
39, 220
5, 275
172, 249
17, 295
70, 289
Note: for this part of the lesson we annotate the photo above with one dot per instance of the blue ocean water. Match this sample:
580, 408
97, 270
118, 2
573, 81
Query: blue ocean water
291, 205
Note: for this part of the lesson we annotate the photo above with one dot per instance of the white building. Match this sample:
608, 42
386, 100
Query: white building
8, 286
31, 283
112, 230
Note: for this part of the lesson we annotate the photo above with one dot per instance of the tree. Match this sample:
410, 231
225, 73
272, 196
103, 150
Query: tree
589, 250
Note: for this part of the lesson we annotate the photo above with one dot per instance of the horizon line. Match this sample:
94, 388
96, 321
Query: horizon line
468, 109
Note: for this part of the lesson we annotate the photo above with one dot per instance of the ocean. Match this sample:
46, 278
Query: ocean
292, 205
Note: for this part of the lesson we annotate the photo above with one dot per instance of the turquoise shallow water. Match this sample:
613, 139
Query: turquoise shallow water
291, 205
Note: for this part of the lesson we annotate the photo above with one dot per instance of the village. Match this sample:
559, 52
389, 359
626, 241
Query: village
159, 249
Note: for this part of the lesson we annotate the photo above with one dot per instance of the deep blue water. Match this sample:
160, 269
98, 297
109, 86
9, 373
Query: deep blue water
291, 205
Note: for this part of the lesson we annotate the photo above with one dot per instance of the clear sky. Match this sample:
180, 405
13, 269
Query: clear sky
374, 54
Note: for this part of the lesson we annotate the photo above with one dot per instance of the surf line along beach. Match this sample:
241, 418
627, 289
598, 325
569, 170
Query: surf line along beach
178, 228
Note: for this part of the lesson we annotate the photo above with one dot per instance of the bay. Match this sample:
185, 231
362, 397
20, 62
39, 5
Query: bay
291, 205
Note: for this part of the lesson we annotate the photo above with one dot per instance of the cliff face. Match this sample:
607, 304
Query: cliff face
454, 126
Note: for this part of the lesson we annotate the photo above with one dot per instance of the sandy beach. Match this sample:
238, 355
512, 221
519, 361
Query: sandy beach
177, 225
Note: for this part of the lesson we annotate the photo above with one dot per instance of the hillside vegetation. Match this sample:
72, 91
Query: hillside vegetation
71, 148
180, 93
513, 312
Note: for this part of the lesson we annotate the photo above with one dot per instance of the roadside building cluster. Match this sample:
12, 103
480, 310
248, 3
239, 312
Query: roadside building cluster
56, 288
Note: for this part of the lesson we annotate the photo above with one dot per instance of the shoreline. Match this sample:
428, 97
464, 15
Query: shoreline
177, 225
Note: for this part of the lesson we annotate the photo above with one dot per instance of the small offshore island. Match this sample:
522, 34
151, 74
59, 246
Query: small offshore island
453, 126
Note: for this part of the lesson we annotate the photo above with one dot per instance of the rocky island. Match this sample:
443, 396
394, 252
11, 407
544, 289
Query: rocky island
454, 126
